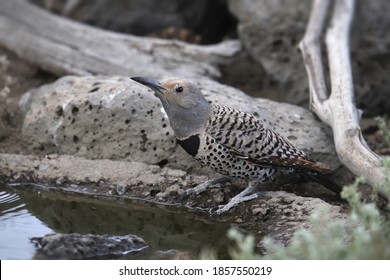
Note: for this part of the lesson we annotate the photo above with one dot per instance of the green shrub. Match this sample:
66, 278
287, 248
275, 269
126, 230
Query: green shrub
365, 234
385, 130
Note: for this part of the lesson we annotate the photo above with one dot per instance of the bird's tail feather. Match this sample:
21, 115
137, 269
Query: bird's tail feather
323, 180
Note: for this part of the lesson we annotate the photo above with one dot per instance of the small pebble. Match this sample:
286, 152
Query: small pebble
120, 189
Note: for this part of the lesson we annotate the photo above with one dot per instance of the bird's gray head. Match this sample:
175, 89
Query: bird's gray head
187, 109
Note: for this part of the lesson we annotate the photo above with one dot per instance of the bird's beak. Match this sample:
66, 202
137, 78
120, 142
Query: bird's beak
150, 83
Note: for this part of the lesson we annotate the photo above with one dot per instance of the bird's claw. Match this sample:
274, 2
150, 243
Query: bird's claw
213, 183
241, 197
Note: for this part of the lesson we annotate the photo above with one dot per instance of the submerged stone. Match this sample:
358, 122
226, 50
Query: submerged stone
86, 246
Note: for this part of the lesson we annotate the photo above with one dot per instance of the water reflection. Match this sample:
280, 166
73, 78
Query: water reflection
28, 212
17, 225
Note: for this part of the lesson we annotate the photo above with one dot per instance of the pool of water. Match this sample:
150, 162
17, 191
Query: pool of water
32, 212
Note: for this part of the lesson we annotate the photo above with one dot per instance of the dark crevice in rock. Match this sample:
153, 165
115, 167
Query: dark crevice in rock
194, 21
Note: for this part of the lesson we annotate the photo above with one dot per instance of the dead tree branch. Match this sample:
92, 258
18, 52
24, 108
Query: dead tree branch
338, 109
63, 46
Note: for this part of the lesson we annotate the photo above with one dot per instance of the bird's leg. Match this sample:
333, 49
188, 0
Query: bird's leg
213, 183
243, 196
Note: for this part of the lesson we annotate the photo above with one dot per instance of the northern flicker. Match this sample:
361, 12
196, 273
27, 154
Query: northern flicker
233, 143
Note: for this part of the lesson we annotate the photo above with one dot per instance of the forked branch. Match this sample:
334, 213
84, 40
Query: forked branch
337, 109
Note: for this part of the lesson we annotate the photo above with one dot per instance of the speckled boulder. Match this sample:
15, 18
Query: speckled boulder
97, 118
116, 118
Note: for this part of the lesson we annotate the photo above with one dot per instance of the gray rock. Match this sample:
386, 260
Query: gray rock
115, 118
80, 175
121, 189
289, 212
270, 31
4, 92
370, 47
2, 130
85, 246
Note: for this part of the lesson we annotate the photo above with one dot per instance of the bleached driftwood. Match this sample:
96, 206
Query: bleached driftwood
64, 46
337, 109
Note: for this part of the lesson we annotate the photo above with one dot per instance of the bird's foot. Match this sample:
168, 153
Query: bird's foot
213, 183
241, 197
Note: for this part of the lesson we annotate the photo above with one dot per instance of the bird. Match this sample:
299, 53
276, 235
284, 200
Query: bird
232, 142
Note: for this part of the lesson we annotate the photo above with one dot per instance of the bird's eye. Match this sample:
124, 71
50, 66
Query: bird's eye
178, 88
